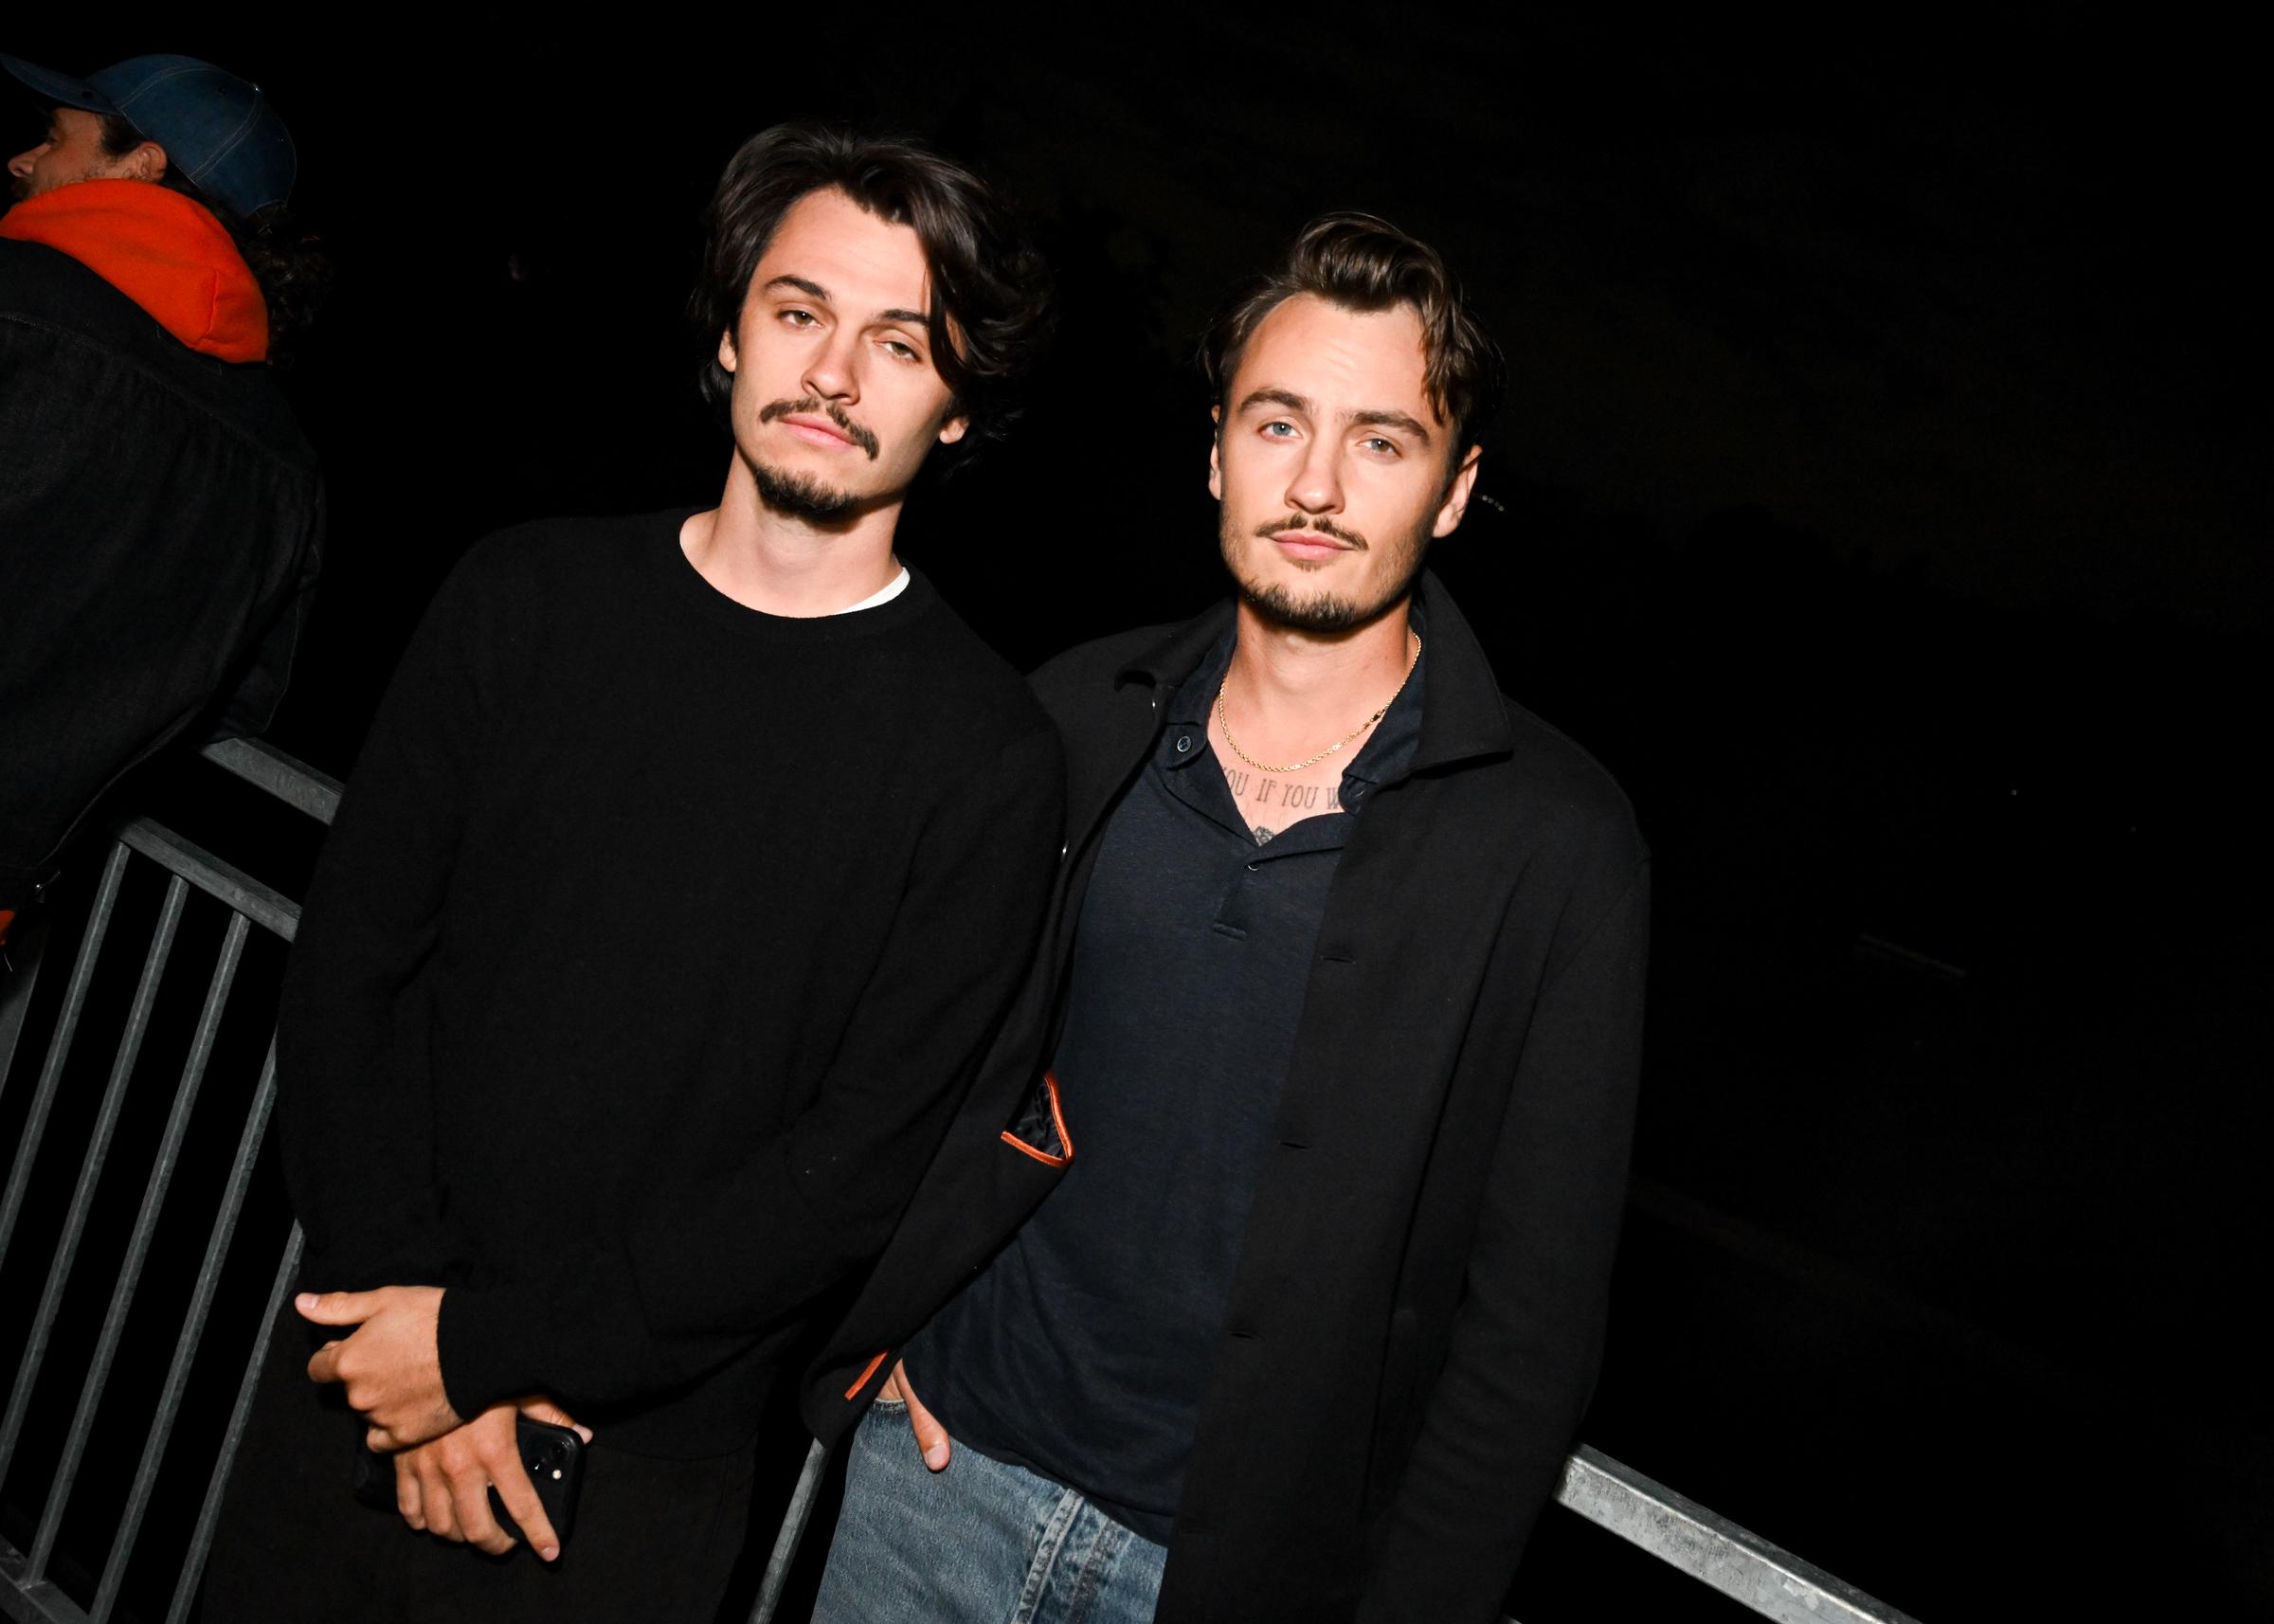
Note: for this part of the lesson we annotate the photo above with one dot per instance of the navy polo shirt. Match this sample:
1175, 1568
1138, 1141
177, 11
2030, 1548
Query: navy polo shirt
1083, 1349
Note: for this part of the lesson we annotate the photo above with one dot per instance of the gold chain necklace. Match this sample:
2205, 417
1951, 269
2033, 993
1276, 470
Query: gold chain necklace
1225, 723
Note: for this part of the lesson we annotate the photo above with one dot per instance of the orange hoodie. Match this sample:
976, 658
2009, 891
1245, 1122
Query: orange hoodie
166, 253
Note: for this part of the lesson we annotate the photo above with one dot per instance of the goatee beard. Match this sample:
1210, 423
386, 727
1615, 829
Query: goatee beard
802, 496
1325, 615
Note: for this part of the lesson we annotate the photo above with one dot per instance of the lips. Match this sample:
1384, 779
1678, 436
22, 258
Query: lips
1309, 546
817, 431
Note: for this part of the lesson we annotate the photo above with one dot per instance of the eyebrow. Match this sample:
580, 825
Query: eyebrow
814, 291
1397, 420
1379, 417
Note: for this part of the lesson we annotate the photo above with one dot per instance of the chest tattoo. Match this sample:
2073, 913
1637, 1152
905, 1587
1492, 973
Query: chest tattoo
1289, 800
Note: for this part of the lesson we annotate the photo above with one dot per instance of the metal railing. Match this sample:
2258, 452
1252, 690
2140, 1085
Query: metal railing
1707, 1548
29, 1589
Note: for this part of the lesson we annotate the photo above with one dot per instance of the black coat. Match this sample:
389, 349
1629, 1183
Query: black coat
1413, 1326
159, 523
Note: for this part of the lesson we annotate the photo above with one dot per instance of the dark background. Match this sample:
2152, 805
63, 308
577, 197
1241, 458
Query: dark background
1881, 496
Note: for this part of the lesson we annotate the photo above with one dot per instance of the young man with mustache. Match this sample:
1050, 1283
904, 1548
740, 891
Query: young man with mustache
682, 879
1262, 1275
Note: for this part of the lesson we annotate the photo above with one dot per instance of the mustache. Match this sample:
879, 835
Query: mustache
1322, 525
831, 410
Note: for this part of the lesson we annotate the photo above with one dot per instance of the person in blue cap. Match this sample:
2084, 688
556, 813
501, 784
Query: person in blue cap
160, 529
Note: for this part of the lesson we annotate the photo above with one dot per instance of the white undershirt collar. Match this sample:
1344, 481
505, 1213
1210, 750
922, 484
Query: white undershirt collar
884, 594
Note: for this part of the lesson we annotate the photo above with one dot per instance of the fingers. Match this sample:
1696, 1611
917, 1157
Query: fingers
435, 1501
930, 1436
527, 1512
409, 1498
470, 1504
401, 1425
546, 1410
336, 1307
324, 1365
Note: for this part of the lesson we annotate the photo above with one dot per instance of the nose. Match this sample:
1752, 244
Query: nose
832, 372
1317, 486
20, 165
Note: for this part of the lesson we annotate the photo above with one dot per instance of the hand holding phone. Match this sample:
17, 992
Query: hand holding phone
554, 1458
429, 1485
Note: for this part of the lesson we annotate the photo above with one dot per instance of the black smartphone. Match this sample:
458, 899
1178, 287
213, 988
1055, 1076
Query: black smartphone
554, 1458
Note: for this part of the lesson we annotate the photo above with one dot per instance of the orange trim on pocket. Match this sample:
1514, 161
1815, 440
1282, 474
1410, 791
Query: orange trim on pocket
1058, 1116
866, 1371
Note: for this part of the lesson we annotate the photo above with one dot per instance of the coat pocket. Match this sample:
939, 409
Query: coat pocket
1039, 1129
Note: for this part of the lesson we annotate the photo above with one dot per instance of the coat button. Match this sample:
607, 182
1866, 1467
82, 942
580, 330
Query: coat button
1183, 743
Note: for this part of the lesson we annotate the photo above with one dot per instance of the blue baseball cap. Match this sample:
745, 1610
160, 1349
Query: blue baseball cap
217, 128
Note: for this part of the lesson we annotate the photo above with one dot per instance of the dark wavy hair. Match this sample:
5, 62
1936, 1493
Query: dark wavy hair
991, 302
1362, 262
288, 263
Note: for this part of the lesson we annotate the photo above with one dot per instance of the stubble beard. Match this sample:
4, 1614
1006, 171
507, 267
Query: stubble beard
1326, 613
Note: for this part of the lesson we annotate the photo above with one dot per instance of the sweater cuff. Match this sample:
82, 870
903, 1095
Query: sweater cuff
479, 1338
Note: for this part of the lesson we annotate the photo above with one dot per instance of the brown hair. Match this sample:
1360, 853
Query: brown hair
1362, 262
991, 307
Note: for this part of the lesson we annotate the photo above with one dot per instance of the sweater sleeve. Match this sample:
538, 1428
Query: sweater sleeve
355, 1113
1526, 1341
706, 1268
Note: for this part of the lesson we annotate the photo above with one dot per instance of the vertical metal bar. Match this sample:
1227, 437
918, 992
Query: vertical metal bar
186, 1346
791, 1535
137, 1246
19, 973
59, 1047
201, 1541
75, 1221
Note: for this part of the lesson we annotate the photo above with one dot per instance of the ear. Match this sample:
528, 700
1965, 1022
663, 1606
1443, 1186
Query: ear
1457, 494
954, 429
726, 349
1216, 467
146, 162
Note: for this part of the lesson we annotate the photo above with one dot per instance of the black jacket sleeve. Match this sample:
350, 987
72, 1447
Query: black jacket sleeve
156, 509
354, 1113
707, 1268
1526, 1339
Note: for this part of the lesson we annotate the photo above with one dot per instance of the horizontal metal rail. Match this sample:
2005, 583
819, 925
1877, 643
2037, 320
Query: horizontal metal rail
295, 783
1710, 1548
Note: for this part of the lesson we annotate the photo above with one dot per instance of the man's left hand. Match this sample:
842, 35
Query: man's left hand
389, 1365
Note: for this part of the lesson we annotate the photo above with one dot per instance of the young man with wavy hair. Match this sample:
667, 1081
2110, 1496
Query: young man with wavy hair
683, 876
1262, 1275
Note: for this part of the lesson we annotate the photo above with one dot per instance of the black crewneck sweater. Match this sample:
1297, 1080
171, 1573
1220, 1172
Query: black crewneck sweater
653, 946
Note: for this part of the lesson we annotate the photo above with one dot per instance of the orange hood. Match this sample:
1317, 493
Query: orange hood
166, 253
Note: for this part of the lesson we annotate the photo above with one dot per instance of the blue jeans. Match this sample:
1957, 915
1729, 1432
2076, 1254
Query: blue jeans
981, 1542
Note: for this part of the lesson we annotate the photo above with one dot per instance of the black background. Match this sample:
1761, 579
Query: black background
1881, 496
